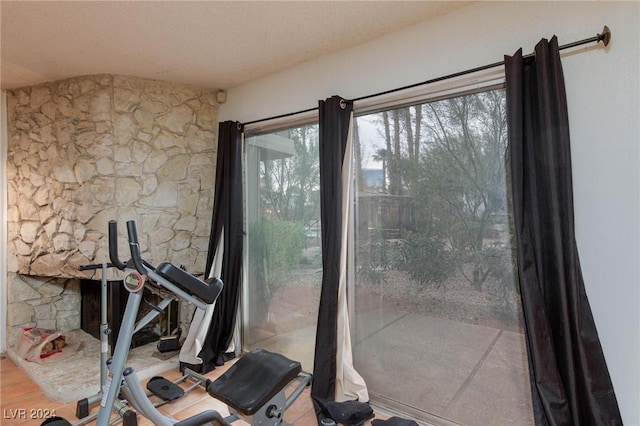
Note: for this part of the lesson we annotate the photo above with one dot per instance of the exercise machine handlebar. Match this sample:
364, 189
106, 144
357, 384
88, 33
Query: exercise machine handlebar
94, 266
136, 258
178, 281
113, 245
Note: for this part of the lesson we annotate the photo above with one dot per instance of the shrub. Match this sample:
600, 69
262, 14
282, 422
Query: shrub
426, 259
279, 244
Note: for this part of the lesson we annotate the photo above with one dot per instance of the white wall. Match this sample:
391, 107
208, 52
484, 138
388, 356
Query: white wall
603, 96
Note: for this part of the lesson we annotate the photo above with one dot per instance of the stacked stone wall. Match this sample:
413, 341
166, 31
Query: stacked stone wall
87, 150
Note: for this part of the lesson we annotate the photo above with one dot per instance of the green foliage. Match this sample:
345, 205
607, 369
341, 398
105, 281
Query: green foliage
368, 273
374, 257
500, 260
501, 263
289, 186
459, 181
277, 245
426, 259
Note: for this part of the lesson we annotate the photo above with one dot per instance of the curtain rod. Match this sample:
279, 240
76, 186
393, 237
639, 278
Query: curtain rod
604, 37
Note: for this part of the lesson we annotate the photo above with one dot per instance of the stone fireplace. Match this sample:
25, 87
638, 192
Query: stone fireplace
90, 149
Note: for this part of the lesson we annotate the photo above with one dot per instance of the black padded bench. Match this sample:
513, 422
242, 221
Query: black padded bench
206, 291
254, 380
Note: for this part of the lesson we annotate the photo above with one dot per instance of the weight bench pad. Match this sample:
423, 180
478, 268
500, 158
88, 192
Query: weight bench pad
207, 291
253, 380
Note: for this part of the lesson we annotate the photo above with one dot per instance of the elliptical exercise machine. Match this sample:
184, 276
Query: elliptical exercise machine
253, 388
83, 405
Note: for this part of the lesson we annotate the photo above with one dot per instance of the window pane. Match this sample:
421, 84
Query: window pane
437, 323
284, 262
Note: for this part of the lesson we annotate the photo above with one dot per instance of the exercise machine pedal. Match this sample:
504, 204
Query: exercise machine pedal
129, 418
164, 388
82, 408
55, 421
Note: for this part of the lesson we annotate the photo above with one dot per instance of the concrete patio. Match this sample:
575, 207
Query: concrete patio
467, 373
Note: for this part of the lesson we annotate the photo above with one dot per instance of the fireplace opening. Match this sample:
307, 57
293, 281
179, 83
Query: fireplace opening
163, 325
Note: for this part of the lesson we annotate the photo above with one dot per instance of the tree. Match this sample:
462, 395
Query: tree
381, 155
289, 186
413, 126
449, 155
463, 174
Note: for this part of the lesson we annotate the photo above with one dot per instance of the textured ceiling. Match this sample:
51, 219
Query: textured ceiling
214, 44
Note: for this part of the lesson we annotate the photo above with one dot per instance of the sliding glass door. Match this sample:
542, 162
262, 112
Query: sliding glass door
437, 329
284, 263
437, 325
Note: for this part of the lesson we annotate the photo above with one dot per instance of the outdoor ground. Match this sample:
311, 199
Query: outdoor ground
295, 301
451, 350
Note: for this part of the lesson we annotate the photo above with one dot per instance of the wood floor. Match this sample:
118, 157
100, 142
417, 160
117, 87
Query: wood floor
22, 402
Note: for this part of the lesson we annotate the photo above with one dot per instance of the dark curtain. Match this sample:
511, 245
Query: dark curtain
570, 381
334, 118
227, 219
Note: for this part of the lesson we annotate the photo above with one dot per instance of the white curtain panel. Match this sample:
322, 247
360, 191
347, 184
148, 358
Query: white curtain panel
201, 321
349, 384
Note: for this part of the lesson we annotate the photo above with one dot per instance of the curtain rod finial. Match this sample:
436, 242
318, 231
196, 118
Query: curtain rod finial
605, 36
